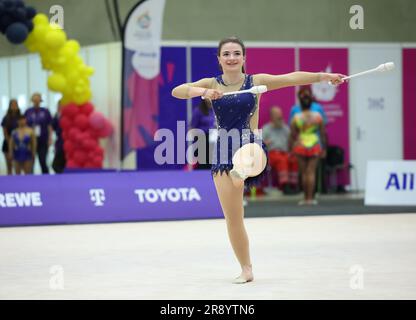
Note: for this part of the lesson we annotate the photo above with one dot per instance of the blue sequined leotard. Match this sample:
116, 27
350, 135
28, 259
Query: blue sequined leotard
22, 151
233, 112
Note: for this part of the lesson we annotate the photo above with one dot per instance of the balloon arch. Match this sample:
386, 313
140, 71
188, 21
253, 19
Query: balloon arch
82, 126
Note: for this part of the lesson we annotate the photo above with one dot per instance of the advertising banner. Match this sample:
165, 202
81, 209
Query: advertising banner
107, 197
391, 183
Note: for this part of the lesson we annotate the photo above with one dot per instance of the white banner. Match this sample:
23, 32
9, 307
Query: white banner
391, 183
143, 34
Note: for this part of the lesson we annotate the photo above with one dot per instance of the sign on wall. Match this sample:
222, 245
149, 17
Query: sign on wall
391, 183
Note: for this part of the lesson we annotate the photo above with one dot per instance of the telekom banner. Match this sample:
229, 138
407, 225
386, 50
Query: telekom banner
107, 197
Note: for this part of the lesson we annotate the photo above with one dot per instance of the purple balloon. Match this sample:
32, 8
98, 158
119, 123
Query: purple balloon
29, 25
5, 21
17, 33
19, 14
30, 12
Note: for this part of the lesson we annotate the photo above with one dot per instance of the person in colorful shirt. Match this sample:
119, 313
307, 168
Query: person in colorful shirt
307, 142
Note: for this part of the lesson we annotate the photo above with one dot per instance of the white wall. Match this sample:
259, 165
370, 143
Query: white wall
22, 75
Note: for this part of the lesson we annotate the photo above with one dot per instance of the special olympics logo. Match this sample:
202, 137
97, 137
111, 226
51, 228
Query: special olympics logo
144, 20
97, 197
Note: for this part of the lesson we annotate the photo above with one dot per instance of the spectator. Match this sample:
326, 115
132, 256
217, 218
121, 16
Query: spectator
305, 91
22, 147
203, 119
307, 141
276, 137
40, 120
59, 161
9, 123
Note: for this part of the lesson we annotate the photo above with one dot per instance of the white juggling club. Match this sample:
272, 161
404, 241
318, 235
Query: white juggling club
253, 90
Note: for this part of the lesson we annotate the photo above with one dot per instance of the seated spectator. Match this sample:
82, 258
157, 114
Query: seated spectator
276, 137
22, 147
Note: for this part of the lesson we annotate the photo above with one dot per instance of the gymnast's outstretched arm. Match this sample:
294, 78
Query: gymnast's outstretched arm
297, 78
198, 88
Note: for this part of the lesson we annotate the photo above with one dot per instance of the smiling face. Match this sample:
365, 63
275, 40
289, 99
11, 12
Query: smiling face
232, 57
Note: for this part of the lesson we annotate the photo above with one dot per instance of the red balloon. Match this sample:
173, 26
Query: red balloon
99, 152
89, 144
65, 123
107, 130
70, 110
71, 164
97, 120
81, 121
69, 147
87, 108
80, 157
98, 162
73, 133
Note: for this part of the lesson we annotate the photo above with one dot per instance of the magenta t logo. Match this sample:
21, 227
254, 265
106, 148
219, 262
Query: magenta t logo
97, 197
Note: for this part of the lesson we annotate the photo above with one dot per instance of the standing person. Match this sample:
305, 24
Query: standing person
23, 147
307, 99
203, 118
239, 113
305, 96
276, 137
40, 120
59, 161
307, 141
9, 123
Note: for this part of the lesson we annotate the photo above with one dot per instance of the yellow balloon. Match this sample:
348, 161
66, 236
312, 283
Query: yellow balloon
40, 19
56, 82
73, 45
55, 38
39, 32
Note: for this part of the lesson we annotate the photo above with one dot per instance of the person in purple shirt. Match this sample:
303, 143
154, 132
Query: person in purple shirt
40, 120
203, 119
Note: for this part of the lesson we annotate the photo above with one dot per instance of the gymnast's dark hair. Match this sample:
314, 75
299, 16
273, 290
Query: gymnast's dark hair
231, 40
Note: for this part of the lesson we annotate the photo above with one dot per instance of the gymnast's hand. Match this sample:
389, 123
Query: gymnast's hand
212, 94
333, 78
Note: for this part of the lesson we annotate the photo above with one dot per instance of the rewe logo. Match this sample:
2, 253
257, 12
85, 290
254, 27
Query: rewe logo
163, 195
97, 197
21, 199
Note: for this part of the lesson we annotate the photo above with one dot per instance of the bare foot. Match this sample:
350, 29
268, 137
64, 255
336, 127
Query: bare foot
246, 275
